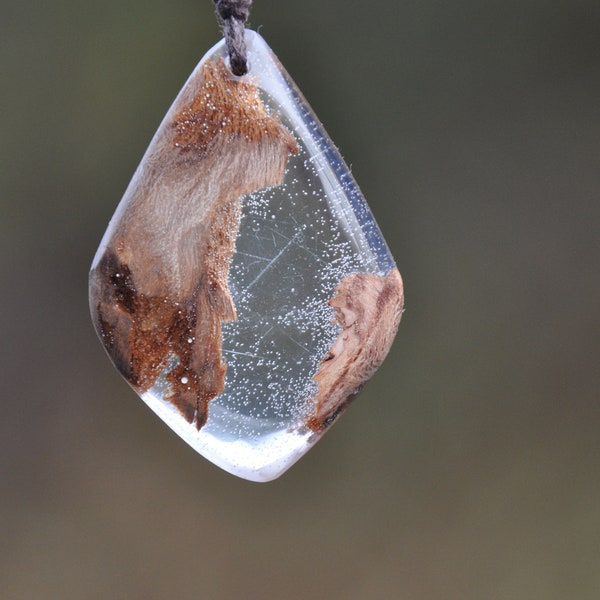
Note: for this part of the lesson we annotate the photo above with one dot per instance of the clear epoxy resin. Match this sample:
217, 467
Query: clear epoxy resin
243, 287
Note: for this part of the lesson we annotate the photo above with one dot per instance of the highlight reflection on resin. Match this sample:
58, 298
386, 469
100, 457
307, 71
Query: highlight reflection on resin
243, 287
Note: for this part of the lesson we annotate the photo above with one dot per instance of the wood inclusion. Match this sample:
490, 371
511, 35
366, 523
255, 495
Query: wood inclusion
159, 285
368, 309
159, 292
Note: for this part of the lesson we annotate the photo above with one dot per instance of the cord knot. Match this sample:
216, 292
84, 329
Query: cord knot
234, 9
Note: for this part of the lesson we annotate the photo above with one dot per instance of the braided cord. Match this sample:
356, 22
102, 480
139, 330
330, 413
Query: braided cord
234, 14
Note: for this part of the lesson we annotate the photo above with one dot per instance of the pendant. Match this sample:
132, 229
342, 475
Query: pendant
243, 288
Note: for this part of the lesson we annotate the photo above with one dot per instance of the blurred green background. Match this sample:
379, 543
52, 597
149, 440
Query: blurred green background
469, 467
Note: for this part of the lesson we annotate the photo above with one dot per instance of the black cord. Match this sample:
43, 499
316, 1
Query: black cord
234, 14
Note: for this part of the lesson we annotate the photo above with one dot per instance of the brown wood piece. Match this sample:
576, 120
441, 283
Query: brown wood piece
368, 309
159, 292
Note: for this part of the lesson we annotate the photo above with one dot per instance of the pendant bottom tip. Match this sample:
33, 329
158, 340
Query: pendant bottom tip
260, 458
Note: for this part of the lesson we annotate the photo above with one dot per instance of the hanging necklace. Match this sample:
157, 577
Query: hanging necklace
243, 287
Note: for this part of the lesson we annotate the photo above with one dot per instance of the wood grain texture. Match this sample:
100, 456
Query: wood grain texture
159, 291
368, 309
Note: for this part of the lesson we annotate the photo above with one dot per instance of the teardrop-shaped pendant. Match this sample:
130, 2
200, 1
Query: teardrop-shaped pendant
243, 287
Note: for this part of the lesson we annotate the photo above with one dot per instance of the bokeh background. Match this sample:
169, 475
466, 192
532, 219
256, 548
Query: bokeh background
469, 467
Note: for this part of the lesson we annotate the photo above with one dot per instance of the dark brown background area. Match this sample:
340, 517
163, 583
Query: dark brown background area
469, 467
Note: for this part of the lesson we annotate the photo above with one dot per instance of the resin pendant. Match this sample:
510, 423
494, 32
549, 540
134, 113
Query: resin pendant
243, 288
